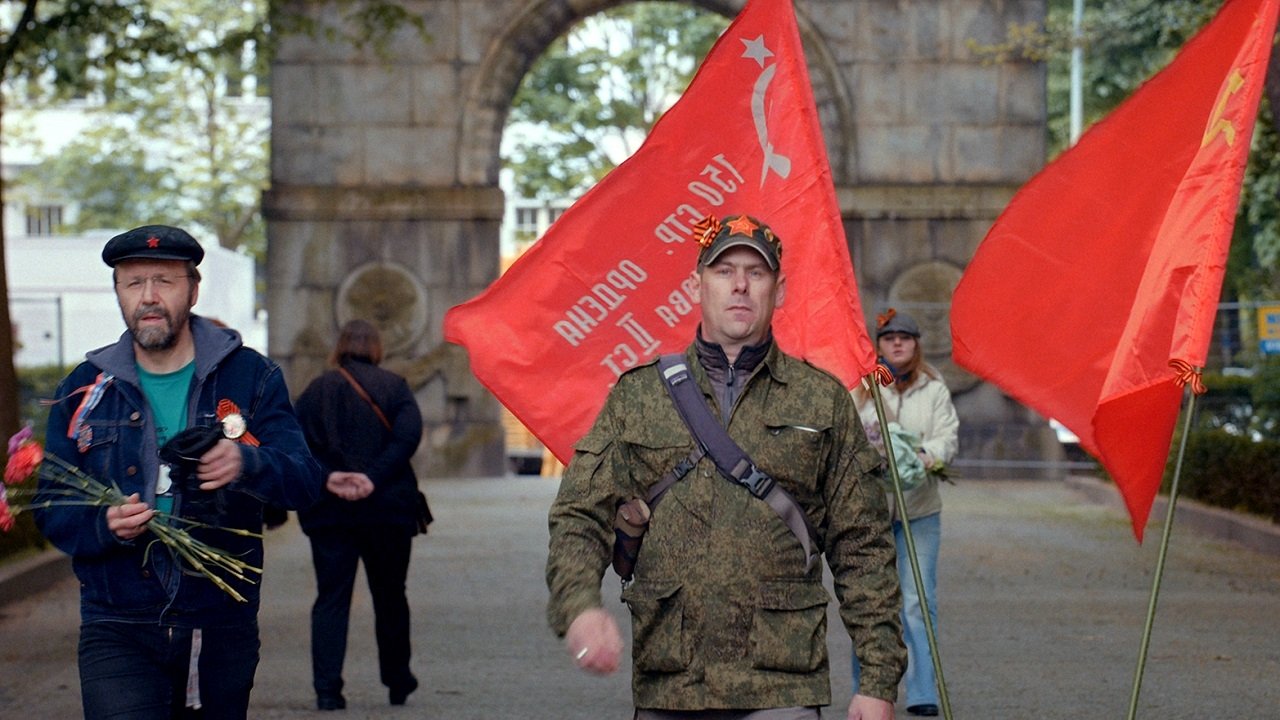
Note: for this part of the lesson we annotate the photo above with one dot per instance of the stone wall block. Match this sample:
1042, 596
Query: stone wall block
879, 32
411, 155
1022, 94
435, 88
951, 94
310, 155
956, 240
879, 93
929, 29
293, 96
978, 154
890, 246
364, 95
1024, 150
838, 21
436, 41
911, 153
976, 21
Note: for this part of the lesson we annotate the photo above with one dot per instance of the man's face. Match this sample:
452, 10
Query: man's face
738, 293
156, 297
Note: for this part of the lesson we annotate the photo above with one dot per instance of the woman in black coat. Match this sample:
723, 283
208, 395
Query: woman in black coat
368, 513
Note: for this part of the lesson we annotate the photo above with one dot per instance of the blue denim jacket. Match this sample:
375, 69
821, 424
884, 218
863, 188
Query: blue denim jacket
100, 423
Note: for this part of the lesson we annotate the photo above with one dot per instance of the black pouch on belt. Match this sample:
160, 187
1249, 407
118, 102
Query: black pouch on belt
629, 525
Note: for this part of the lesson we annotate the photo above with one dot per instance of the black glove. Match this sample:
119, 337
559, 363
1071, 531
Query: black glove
182, 454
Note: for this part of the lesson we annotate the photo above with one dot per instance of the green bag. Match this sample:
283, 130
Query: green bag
911, 470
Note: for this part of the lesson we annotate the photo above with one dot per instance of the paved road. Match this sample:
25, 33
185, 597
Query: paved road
1044, 597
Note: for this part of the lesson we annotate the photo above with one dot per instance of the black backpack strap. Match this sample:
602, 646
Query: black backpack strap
673, 476
732, 461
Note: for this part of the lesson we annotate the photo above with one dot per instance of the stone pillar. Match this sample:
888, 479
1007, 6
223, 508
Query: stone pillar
368, 217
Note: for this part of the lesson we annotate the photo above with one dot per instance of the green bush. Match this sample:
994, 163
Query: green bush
1233, 453
1231, 471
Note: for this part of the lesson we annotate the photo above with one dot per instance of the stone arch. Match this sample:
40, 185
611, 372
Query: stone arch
394, 157
529, 32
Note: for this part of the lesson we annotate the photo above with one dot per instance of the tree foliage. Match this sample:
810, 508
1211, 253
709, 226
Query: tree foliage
592, 97
75, 48
1124, 43
172, 139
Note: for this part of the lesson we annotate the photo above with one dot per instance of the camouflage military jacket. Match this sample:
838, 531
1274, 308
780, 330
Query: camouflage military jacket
724, 614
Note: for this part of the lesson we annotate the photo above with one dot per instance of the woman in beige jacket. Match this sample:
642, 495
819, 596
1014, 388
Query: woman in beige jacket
920, 403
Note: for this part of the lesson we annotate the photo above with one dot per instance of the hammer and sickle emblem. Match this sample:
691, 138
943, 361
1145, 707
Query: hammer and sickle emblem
773, 160
1217, 123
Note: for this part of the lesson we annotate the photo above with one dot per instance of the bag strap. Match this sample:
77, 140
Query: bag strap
730, 459
361, 392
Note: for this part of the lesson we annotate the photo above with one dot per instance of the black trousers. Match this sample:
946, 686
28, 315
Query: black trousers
335, 553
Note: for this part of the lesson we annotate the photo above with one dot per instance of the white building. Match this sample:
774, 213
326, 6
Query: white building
61, 297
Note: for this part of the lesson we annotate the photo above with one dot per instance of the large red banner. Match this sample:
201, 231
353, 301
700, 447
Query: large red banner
607, 288
1094, 293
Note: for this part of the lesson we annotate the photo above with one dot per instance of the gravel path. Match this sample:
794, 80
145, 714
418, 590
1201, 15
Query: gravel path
1043, 600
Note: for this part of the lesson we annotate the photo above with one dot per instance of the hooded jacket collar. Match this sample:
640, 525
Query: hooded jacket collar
212, 344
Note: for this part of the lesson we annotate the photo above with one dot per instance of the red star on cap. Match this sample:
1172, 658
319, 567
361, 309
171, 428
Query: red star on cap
153, 242
742, 225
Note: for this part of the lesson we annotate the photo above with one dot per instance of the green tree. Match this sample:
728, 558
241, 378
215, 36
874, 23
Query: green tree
62, 46
1124, 43
592, 97
173, 139
74, 48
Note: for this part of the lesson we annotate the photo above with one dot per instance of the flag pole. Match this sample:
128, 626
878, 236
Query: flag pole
874, 381
1164, 549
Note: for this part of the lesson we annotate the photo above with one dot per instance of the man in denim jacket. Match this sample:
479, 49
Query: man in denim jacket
728, 617
157, 637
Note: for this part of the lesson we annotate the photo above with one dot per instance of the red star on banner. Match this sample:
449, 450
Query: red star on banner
153, 241
570, 336
742, 226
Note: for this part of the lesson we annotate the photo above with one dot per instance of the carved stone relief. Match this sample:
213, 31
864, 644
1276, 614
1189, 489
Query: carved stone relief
390, 297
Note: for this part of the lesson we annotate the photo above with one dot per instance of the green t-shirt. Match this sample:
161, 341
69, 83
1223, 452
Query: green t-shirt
167, 393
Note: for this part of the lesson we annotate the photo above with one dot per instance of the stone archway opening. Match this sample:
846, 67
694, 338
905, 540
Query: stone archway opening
387, 161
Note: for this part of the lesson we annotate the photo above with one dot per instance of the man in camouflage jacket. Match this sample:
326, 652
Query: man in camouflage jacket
725, 613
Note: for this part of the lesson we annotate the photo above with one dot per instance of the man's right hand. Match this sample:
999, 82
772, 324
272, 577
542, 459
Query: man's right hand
594, 641
862, 707
129, 520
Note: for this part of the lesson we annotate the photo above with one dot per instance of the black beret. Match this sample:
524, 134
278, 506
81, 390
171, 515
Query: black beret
152, 242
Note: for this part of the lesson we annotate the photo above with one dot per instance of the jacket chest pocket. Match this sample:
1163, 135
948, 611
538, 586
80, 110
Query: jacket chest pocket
102, 444
655, 448
789, 630
793, 451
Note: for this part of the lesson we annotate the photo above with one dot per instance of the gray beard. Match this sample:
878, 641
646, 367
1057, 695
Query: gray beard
154, 338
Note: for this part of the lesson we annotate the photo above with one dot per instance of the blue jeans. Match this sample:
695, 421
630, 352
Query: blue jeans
922, 684
134, 671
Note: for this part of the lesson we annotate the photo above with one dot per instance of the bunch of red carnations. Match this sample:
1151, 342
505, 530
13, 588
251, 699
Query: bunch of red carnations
62, 484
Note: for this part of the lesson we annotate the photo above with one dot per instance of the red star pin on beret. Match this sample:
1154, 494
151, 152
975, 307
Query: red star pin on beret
153, 242
742, 225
